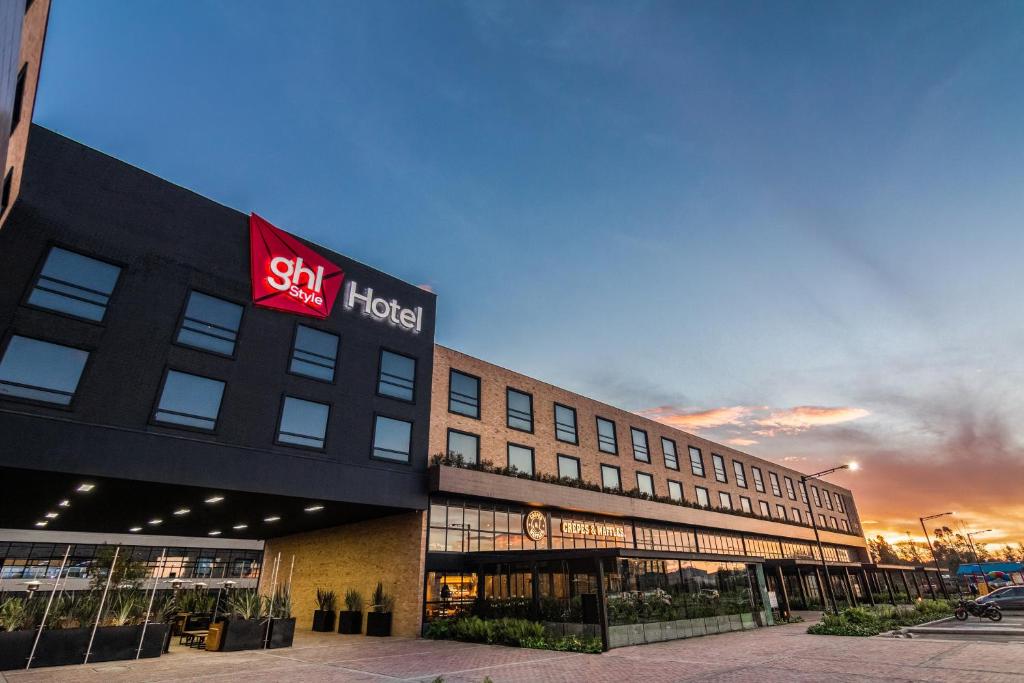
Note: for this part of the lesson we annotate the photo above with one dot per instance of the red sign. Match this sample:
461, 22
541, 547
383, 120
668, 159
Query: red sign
289, 276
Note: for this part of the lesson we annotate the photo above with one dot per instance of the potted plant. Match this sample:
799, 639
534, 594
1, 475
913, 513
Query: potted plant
243, 627
16, 632
281, 623
323, 615
378, 621
350, 620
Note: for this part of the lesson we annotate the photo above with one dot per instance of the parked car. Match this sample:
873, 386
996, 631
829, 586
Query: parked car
1007, 597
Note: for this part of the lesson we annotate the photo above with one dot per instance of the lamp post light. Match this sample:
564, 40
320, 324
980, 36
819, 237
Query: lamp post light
935, 560
977, 561
853, 467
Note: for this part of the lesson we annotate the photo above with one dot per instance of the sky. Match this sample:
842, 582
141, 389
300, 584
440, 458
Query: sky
795, 227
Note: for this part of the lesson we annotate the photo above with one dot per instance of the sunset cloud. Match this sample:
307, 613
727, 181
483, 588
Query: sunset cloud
695, 420
802, 418
741, 442
754, 420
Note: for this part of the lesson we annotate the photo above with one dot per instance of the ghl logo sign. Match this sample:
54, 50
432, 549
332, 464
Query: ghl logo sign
289, 276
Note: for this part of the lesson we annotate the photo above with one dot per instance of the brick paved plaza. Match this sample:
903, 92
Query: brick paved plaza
784, 653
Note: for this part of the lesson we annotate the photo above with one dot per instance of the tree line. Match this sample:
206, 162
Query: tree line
951, 548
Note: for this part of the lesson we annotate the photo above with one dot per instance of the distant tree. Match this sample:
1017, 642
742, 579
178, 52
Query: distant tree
908, 552
882, 551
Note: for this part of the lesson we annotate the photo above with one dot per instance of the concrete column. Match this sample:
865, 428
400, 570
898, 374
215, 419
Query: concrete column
888, 586
851, 596
602, 604
783, 592
800, 587
867, 584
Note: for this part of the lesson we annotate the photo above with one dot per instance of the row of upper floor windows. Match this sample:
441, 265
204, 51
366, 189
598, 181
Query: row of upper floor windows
464, 397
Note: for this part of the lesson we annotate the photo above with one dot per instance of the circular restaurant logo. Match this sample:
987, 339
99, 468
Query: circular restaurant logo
535, 525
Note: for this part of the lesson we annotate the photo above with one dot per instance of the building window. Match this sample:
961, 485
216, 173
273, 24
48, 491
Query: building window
817, 496
821, 521
833, 523
565, 424
668, 448
520, 410
790, 489
640, 450
803, 492
464, 394
719, 464
645, 483
745, 505
696, 462
464, 445
846, 525
610, 478
521, 458
303, 423
19, 97
190, 400
797, 517
397, 378
780, 511
839, 503
5, 194
702, 496
41, 371
741, 475
210, 324
758, 479
314, 354
568, 467
675, 490
392, 439
606, 441
724, 500
765, 510
74, 284
828, 499
774, 479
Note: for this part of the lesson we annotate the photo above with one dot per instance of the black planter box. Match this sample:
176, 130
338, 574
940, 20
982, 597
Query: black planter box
282, 632
58, 647
62, 646
350, 622
14, 648
243, 634
122, 642
378, 623
323, 621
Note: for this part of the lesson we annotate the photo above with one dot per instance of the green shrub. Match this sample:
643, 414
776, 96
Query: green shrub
870, 621
511, 632
353, 600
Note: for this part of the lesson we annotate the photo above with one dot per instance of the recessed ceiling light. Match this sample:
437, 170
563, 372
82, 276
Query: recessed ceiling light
182, 511
42, 522
214, 499
135, 529
240, 526
156, 521
215, 532
51, 515
64, 503
314, 508
85, 488
271, 519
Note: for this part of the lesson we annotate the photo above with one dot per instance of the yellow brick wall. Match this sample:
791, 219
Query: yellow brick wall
389, 549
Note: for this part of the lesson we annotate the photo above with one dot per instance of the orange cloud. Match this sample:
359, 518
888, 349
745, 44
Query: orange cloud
696, 420
741, 442
802, 418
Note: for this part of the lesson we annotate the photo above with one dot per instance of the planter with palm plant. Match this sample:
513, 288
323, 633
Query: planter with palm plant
282, 623
244, 626
378, 620
326, 606
350, 619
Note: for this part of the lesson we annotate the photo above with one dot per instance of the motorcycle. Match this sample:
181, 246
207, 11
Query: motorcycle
975, 609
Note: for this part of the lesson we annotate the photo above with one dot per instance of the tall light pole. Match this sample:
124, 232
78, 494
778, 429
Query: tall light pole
930, 549
977, 561
814, 525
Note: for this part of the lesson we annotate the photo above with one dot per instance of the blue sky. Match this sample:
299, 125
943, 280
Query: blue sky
729, 211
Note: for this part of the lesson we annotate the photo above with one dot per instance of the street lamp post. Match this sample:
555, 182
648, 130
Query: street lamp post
977, 560
814, 525
935, 560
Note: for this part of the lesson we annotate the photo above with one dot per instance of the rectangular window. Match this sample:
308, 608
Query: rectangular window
463, 394
392, 439
797, 517
758, 479
521, 458
765, 510
520, 410
833, 523
568, 467
314, 354
19, 96
640, 451
465, 445
803, 492
606, 441
210, 324
696, 462
41, 371
745, 505
610, 478
774, 479
817, 496
741, 475
565, 424
303, 423
846, 525
821, 521
780, 511
719, 464
397, 377
790, 489
74, 284
828, 499
668, 447
839, 503
190, 400
724, 500
645, 483
702, 496
675, 490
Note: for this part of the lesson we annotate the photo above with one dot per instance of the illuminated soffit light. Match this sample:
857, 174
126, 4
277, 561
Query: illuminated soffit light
182, 511
271, 519
85, 488
214, 499
314, 508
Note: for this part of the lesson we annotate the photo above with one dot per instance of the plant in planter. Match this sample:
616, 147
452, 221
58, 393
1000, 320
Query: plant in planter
243, 627
326, 605
378, 621
350, 620
282, 624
